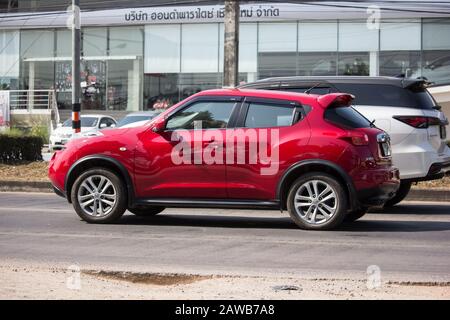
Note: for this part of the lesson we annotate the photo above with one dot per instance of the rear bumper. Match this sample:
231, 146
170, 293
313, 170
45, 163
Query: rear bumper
437, 171
387, 185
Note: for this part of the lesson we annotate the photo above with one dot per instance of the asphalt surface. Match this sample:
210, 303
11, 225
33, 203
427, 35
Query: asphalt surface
411, 241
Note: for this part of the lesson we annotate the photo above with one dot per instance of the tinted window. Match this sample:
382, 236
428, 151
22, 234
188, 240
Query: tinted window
317, 90
108, 121
268, 115
387, 95
85, 122
210, 115
131, 119
347, 117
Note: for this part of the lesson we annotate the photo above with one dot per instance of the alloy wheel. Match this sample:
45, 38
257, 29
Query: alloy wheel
97, 196
315, 202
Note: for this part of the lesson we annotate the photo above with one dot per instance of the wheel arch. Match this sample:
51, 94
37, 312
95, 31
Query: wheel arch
99, 161
297, 169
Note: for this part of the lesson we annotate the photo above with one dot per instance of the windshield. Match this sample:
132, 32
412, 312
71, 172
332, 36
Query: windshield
131, 119
85, 122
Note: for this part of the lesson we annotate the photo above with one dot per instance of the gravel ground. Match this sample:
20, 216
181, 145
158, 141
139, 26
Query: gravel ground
33, 171
24, 281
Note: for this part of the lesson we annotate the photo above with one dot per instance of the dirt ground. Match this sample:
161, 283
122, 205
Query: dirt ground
22, 281
33, 171
37, 171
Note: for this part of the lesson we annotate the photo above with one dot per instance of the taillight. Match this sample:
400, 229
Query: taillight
357, 139
420, 122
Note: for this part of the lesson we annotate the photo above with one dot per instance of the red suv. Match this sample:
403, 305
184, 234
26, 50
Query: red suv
313, 155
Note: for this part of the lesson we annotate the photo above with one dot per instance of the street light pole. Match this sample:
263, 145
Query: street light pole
76, 52
231, 45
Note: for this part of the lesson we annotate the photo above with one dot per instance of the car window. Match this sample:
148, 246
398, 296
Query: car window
108, 121
207, 114
317, 90
85, 122
347, 117
131, 119
261, 115
387, 95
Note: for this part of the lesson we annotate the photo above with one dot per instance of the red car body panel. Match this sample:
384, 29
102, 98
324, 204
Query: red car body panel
146, 156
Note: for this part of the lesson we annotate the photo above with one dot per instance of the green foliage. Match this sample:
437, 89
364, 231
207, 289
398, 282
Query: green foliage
13, 132
40, 131
16, 147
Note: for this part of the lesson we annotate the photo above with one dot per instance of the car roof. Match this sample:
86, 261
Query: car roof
395, 81
267, 94
95, 116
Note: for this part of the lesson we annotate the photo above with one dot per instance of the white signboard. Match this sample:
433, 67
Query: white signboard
4, 109
275, 11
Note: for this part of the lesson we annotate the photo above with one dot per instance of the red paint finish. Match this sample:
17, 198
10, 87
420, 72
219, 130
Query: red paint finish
147, 155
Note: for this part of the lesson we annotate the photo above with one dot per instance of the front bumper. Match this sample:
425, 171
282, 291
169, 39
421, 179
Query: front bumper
59, 192
57, 143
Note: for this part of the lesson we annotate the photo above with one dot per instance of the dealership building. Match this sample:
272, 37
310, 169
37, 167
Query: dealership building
135, 57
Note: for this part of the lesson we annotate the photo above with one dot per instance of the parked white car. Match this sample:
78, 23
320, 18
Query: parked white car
136, 119
402, 107
89, 124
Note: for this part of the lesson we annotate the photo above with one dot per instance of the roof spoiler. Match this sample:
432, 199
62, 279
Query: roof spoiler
418, 83
335, 100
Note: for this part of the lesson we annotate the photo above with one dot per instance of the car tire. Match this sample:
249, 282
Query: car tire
401, 194
311, 207
355, 215
99, 196
146, 211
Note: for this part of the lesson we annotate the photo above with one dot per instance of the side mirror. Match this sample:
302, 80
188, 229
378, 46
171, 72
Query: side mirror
103, 125
113, 125
159, 125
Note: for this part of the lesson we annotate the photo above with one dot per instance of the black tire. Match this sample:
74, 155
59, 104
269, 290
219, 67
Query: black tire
401, 194
146, 211
340, 201
117, 209
355, 215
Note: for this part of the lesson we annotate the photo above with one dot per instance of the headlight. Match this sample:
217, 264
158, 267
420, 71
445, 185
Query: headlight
64, 135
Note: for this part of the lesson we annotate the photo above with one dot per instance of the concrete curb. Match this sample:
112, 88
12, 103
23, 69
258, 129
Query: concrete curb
46, 187
26, 186
428, 195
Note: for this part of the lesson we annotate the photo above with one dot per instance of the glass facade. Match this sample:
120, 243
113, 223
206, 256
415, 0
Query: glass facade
154, 66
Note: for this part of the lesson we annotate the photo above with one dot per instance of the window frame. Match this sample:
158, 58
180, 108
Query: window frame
233, 116
298, 113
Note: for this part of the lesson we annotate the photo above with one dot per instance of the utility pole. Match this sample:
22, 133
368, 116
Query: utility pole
231, 45
76, 52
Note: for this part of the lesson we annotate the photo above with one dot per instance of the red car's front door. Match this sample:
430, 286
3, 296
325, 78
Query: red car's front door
186, 160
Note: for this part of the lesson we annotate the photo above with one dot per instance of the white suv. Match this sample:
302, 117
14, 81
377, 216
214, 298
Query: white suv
400, 106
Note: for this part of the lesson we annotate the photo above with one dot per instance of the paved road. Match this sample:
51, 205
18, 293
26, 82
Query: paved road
412, 240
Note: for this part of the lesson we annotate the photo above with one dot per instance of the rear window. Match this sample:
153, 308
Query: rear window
387, 95
346, 117
261, 115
